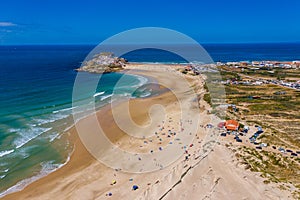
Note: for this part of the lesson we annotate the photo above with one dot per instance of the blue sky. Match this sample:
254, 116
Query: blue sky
92, 21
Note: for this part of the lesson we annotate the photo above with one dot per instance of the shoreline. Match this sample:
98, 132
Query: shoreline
84, 177
66, 135
79, 150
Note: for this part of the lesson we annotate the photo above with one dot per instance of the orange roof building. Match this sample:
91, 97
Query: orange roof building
232, 125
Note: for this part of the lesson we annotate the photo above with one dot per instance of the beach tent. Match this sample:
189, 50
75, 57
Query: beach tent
246, 129
259, 128
231, 125
221, 124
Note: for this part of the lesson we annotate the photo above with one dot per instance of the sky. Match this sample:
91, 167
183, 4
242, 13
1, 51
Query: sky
92, 21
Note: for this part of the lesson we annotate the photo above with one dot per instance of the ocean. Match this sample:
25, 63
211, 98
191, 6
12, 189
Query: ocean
36, 84
225, 53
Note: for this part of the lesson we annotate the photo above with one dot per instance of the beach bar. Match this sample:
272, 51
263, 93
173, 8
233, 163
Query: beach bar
231, 125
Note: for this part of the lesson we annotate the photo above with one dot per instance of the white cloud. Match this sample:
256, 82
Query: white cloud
7, 24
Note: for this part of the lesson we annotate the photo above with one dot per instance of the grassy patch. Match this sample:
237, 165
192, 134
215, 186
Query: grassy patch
207, 98
273, 166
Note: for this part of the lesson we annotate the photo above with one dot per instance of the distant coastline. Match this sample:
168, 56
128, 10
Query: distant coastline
223, 52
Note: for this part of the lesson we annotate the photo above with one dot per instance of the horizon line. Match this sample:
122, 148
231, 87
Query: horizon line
204, 43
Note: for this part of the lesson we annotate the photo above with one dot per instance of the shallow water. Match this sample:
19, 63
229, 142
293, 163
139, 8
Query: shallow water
36, 84
36, 105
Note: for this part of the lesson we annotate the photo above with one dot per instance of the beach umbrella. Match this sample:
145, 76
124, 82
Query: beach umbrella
135, 187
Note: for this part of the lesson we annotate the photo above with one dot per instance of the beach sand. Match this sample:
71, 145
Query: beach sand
207, 171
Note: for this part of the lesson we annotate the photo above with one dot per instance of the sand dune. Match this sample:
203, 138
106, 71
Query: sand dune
207, 170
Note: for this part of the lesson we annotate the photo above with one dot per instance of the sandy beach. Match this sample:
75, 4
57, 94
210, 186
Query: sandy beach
206, 170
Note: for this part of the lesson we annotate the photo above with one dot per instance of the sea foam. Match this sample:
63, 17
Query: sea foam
47, 168
105, 97
26, 135
63, 110
52, 137
98, 94
7, 152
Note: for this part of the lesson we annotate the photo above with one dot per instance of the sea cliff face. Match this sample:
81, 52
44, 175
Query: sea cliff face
103, 63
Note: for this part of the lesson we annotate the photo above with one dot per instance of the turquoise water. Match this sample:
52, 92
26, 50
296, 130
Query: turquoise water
36, 104
36, 84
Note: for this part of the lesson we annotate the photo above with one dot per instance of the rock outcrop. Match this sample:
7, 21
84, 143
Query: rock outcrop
103, 63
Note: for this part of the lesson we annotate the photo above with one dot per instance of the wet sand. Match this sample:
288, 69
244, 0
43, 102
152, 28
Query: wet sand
206, 170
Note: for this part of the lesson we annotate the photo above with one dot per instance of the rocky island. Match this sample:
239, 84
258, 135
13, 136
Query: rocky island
105, 62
